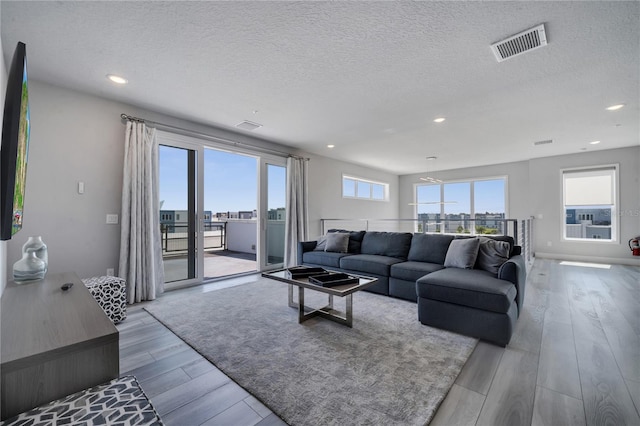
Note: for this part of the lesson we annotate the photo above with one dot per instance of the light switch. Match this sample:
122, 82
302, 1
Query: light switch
80, 187
112, 219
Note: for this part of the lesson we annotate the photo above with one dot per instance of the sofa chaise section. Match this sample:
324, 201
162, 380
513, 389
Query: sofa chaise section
473, 302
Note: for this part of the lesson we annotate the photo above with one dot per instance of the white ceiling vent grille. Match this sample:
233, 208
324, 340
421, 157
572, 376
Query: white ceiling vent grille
520, 43
248, 125
548, 141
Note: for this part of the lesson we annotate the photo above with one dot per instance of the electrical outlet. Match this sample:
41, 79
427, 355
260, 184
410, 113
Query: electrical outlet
110, 272
253, 246
112, 219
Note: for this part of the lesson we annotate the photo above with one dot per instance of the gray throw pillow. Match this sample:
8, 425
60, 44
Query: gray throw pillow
462, 253
321, 244
492, 254
337, 242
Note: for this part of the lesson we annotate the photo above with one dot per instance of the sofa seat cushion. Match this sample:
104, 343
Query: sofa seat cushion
411, 271
369, 264
469, 287
323, 258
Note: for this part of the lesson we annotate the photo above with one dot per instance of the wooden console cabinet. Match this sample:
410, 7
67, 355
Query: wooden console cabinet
54, 343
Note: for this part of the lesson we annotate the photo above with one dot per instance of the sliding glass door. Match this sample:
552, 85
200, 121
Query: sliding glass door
275, 177
222, 211
178, 213
230, 213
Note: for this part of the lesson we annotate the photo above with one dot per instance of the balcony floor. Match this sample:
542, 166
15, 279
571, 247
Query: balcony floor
217, 263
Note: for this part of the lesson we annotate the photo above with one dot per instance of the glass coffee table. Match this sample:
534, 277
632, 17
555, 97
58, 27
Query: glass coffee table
346, 291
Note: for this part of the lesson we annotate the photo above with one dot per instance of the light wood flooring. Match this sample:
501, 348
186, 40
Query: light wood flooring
574, 359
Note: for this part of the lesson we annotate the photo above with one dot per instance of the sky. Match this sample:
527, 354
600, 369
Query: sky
230, 181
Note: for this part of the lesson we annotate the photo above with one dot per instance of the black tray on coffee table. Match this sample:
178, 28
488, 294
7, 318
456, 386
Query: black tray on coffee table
333, 279
304, 272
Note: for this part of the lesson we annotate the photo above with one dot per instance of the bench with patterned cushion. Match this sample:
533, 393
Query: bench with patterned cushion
121, 401
111, 294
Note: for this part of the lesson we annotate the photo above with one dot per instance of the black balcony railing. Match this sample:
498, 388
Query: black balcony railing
175, 237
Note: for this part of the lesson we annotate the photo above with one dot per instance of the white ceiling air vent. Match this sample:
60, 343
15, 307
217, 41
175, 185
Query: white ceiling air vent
548, 141
248, 125
520, 43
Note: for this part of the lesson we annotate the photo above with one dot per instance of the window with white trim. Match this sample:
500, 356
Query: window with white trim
590, 203
476, 206
364, 189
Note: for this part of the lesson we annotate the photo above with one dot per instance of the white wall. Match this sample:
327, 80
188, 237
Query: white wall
241, 235
545, 193
325, 193
3, 244
78, 137
534, 189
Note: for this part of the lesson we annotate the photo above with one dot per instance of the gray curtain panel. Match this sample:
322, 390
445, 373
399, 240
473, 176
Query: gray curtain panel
140, 244
297, 220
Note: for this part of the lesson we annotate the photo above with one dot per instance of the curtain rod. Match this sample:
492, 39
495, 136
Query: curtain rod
188, 132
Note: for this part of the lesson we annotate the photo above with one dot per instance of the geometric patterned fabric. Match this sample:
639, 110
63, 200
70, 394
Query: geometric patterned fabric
121, 402
111, 295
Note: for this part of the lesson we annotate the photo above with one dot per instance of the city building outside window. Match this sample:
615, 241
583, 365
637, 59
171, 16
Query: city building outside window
590, 203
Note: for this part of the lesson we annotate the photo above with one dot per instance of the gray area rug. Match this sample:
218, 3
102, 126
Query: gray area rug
387, 369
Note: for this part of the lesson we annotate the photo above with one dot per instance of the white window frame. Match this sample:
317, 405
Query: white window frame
471, 183
615, 193
372, 183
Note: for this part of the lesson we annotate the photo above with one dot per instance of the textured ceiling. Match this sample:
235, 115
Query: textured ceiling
367, 77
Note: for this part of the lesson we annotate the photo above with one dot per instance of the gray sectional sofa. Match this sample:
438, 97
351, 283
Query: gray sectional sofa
473, 286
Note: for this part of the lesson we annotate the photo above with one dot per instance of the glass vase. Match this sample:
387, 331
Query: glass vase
40, 248
29, 268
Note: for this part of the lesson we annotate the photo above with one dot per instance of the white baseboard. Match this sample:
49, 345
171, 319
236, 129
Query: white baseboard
630, 261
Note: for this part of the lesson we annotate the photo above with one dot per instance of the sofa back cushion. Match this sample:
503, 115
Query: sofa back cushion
431, 248
462, 253
337, 242
492, 254
392, 244
504, 238
513, 249
355, 239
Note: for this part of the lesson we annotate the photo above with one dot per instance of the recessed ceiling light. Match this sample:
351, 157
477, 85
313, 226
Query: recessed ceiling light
439, 120
432, 158
615, 107
117, 79
594, 143
331, 146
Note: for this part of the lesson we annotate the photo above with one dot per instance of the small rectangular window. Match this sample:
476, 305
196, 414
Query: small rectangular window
377, 192
364, 189
589, 203
348, 187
